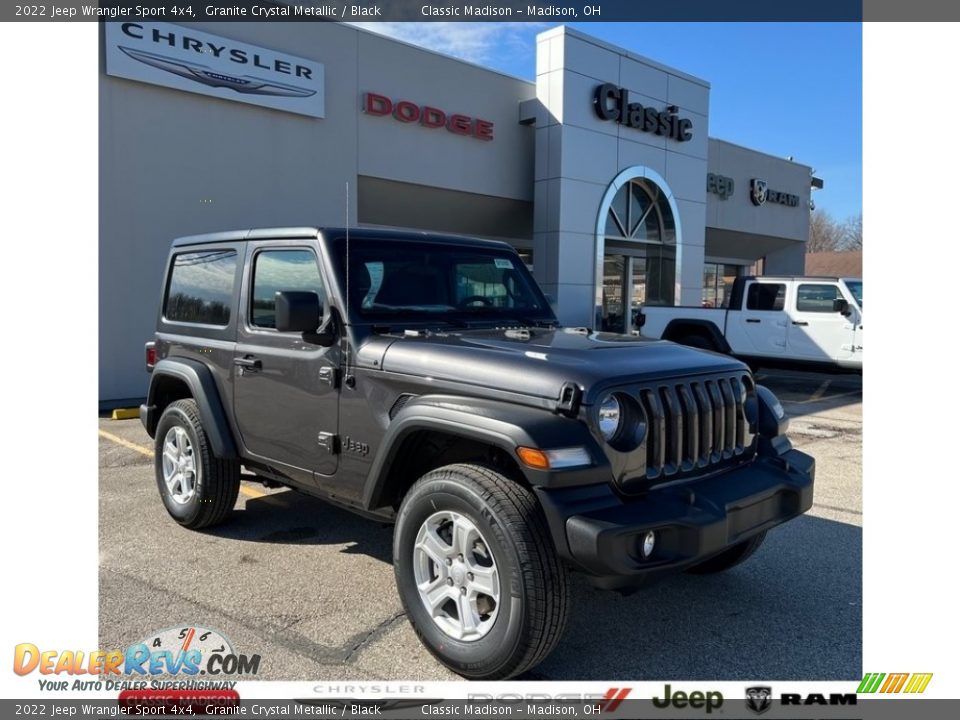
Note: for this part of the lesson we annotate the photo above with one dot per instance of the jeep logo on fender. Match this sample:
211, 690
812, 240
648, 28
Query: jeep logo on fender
429, 117
697, 700
613, 103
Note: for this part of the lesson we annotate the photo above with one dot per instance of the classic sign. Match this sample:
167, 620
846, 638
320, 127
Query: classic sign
613, 103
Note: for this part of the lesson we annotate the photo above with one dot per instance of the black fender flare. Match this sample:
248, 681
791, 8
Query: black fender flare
679, 328
203, 388
502, 425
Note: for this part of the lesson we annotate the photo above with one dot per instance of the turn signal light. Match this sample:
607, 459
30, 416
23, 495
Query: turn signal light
531, 457
555, 459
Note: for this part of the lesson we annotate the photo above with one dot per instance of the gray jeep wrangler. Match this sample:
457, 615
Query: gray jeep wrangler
424, 380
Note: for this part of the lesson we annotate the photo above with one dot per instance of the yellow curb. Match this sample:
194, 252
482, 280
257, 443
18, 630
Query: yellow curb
245, 490
125, 414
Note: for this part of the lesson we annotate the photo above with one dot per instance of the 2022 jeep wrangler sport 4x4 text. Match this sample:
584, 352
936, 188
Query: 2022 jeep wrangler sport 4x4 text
424, 380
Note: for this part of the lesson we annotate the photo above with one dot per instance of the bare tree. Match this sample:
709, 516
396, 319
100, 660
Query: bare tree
825, 233
852, 232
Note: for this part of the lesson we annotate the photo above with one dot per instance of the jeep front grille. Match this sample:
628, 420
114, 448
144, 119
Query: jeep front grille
696, 424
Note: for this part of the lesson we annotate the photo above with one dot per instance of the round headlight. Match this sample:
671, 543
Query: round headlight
609, 417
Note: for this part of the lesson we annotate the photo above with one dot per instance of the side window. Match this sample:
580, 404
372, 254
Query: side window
766, 296
281, 270
817, 298
201, 287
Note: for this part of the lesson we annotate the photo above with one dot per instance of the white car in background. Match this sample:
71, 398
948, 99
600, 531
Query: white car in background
811, 323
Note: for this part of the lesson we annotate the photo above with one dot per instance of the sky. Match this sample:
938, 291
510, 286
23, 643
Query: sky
788, 89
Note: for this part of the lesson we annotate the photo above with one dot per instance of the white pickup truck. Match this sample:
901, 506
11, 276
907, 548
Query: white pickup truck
801, 322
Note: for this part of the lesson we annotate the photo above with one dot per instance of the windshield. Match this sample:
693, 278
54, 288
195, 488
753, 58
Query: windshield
856, 289
401, 281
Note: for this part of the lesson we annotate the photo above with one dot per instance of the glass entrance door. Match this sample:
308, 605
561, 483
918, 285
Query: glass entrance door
630, 281
613, 311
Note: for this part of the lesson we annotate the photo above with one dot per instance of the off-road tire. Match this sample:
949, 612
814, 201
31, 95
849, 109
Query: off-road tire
730, 557
218, 480
534, 582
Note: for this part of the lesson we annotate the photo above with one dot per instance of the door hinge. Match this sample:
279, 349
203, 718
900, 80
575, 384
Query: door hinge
329, 442
330, 376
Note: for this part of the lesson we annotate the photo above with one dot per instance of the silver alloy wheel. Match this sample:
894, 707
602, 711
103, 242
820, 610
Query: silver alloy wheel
179, 465
456, 576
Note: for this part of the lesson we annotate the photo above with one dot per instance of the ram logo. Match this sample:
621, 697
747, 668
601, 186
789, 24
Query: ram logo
758, 191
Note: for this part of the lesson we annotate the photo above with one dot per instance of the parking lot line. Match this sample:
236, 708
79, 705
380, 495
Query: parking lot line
126, 443
818, 393
248, 491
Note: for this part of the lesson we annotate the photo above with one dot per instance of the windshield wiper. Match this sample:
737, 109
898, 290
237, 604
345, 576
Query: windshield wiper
528, 322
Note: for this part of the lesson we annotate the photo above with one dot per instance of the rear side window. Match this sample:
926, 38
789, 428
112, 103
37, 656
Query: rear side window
201, 287
766, 296
817, 298
281, 270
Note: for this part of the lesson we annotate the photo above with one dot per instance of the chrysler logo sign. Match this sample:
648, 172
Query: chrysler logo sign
194, 61
613, 103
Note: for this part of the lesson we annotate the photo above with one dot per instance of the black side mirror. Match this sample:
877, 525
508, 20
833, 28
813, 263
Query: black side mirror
297, 311
301, 312
841, 306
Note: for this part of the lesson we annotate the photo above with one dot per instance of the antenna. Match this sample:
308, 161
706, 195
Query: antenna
349, 379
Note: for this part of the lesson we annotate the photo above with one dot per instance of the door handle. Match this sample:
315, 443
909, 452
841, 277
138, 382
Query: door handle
800, 322
248, 363
752, 320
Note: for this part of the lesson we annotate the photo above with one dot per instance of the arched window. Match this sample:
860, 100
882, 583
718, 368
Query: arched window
639, 211
637, 238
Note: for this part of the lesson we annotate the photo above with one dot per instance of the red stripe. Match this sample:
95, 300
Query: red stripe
615, 697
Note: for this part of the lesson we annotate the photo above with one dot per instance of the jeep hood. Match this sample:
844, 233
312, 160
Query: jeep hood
538, 362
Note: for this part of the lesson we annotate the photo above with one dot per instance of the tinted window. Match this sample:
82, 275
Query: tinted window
276, 270
817, 298
201, 287
856, 288
766, 296
404, 281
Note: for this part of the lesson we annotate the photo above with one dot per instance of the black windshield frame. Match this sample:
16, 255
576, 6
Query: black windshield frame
441, 256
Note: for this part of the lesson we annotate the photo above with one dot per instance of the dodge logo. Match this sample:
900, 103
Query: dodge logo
758, 191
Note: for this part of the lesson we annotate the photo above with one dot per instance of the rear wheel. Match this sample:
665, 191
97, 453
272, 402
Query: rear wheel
198, 488
731, 557
477, 572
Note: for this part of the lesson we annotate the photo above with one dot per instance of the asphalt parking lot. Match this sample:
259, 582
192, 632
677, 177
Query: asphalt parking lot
310, 587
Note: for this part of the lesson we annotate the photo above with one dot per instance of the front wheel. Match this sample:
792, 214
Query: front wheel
477, 572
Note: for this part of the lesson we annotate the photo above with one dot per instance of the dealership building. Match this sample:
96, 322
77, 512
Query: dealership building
601, 172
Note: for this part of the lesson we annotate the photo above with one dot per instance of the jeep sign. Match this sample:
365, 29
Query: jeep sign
197, 62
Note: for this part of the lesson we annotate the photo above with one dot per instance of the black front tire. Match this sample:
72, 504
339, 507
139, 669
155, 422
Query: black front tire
217, 482
731, 557
534, 583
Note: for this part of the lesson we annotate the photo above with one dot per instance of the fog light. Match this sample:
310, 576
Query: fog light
649, 540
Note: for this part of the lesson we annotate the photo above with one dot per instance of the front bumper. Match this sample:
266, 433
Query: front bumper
601, 534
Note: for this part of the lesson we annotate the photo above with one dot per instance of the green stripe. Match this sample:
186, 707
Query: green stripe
870, 682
